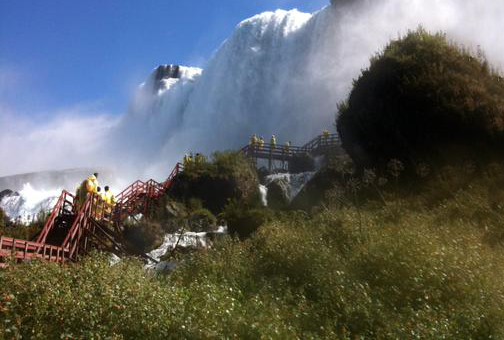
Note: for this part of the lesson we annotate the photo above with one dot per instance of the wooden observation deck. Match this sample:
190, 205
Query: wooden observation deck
320, 145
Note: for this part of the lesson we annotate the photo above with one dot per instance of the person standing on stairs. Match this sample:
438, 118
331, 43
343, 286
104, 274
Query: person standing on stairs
88, 186
92, 183
110, 200
99, 203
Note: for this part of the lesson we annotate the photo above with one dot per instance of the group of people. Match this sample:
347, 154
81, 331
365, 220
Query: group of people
104, 200
190, 160
259, 142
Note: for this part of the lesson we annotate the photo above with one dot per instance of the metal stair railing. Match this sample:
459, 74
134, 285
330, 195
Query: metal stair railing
80, 224
65, 200
280, 152
23, 249
137, 196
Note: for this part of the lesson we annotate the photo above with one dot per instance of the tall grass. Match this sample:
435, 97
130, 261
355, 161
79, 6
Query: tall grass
419, 266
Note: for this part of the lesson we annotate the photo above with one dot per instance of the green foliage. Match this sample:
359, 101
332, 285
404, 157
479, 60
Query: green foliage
334, 175
221, 163
379, 259
243, 220
228, 175
423, 99
3, 219
88, 300
205, 214
356, 272
18, 230
413, 266
143, 236
194, 203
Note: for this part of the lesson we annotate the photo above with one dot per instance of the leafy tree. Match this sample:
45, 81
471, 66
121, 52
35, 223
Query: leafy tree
423, 98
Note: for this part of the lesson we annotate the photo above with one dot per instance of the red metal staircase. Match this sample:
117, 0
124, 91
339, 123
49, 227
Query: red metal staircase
69, 231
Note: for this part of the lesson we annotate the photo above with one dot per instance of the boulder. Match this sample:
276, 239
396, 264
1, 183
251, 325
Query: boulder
278, 193
202, 220
7, 192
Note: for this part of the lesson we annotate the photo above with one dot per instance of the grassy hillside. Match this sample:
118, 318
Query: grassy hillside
417, 266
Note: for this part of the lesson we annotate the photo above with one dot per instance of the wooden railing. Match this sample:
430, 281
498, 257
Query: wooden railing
64, 204
23, 249
316, 146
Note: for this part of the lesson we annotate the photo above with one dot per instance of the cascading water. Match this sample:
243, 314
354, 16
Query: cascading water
25, 206
282, 73
263, 191
185, 240
294, 182
267, 78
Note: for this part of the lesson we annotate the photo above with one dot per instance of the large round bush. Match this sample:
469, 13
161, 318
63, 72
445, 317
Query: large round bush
424, 99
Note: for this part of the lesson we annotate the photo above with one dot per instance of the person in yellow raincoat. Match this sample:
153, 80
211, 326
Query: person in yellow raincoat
186, 160
110, 200
287, 147
253, 140
261, 142
89, 185
273, 141
99, 203
325, 136
199, 159
92, 183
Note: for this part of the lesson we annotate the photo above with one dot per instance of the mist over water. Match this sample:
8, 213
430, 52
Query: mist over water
284, 72
280, 73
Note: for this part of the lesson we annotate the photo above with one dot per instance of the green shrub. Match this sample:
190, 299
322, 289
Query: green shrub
424, 99
243, 220
202, 220
194, 203
143, 236
87, 300
18, 230
3, 218
228, 175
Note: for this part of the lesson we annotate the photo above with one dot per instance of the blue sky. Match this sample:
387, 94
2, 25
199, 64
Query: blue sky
60, 54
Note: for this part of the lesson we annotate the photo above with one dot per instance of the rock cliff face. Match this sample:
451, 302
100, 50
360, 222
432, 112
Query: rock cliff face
283, 188
278, 193
161, 74
6, 193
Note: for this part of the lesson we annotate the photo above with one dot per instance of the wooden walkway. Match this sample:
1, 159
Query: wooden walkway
320, 145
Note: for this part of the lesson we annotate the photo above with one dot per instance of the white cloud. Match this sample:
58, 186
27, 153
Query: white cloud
72, 137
